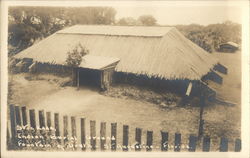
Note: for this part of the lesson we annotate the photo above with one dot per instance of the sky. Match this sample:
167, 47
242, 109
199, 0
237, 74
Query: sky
172, 15
169, 12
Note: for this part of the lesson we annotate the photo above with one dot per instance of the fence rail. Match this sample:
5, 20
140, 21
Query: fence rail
42, 134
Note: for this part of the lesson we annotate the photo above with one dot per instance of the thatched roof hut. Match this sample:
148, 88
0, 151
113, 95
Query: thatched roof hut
161, 52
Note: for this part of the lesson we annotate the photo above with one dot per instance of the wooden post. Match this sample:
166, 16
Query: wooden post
201, 128
24, 115
32, 118
192, 143
103, 135
18, 116
101, 80
48, 118
138, 132
201, 122
206, 144
33, 123
113, 136
9, 144
164, 141
73, 126
73, 77
73, 129
65, 129
41, 118
83, 134
56, 120
125, 138
93, 135
177, 142
237, 147
223, 145
149, 141
48, 126
13, 125
78, 78
42, 125
18, 123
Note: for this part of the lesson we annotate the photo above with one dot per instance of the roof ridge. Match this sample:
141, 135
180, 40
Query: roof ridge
116, 30
122, 25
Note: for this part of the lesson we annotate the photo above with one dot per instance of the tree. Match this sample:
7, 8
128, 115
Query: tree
21, 36
127, 21
74, 59
90, 15
211, 36
29, 24
147, 20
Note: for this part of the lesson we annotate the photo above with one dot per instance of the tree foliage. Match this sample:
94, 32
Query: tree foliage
29, 24
147, 20
74, 58
211, 36
127, 21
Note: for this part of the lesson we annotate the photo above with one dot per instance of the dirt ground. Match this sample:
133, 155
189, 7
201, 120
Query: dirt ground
220, 120
41, 94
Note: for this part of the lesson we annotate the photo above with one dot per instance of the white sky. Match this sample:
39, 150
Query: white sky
167, 12
171, 15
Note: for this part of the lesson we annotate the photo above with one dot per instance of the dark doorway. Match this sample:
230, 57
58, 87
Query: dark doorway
89, 77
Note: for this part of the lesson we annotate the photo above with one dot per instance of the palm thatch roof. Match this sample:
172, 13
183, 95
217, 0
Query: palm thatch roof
97, 62
161, 52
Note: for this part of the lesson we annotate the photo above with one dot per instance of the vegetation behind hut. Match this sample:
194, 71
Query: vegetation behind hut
74, 59
30, 24
211, 36
27, 25
75, 55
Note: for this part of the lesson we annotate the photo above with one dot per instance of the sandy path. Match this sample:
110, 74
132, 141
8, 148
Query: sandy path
40, 94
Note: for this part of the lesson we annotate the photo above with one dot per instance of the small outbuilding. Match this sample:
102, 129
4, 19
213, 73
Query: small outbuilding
96, 70
229, 47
